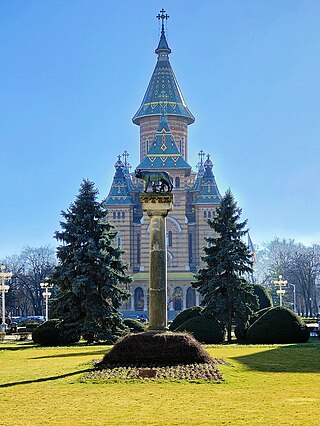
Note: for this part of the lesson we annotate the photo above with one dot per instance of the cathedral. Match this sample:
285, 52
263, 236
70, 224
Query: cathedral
163, 118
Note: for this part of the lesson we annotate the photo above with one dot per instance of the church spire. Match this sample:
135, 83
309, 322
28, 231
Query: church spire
163, 85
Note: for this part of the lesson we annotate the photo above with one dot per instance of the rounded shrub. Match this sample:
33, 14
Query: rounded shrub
264, 298
278, 325
240, 330
50, 334
184, 316
152, 349
134, 325
47, 334
204, 329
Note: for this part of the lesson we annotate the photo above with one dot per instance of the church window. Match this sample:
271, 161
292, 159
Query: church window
191, 297
170, 239
138, 299
177, 182
119, 215
209, 214
119, 242
123, 215
177, 299
114, 215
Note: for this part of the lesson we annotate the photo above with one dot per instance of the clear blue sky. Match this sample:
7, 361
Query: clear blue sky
73, 73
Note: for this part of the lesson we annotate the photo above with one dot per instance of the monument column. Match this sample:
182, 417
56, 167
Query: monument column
157, 206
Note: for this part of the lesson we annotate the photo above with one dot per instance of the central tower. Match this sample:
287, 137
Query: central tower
163, 118
163, 95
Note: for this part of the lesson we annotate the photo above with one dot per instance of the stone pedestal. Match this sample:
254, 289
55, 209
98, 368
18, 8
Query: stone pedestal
157, 206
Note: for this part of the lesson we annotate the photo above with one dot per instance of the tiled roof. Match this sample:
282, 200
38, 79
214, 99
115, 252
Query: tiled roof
206, 185
121, 186
163, 90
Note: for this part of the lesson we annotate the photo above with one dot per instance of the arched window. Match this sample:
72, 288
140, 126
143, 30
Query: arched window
177, 182
209, 214
119, 242
114, 215
205, 214
170, 239
177, 299
138, 299
191, 297
119, 215
122, 215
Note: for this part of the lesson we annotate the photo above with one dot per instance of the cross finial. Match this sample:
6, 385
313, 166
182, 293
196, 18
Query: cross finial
201, 155
163, 16
125, 155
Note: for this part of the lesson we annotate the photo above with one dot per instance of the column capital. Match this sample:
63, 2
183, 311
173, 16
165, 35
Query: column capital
156, 204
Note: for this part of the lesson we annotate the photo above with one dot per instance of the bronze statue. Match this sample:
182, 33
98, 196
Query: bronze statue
159, 180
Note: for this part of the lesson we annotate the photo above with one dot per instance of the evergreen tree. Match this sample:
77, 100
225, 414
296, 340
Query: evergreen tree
227, 295
90, 276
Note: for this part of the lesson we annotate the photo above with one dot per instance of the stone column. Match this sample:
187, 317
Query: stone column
157, 206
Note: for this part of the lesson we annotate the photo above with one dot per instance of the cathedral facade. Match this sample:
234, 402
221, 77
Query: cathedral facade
163, 118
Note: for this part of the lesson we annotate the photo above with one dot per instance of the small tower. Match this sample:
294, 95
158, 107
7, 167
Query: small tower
120, 207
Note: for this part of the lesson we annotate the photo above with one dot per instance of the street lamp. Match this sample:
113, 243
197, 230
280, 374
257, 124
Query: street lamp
4, 288
294, 297
46, 294
281, 291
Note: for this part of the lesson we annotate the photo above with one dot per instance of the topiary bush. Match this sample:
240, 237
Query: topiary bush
204, 329
264, 298
184, 316
240, 330
278, 325
49, 334
155, 349
134, 325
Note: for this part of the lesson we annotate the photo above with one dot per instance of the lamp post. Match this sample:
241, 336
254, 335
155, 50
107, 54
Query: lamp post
46, 294
4, 288
294, 297
281, 291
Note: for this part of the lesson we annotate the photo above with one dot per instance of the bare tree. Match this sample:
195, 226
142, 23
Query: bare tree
298, 264
29, 269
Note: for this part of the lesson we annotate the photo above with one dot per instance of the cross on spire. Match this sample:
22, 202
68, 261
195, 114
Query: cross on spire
125, 155
201, 155
163, 16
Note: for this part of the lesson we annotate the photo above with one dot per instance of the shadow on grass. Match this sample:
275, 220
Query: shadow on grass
45, 379
66, 355
299, 358
17, 346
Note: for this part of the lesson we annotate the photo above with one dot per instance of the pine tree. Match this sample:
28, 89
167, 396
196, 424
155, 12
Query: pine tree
227, 295
90, 276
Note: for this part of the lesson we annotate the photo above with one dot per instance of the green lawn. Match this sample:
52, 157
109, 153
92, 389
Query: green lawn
269, 385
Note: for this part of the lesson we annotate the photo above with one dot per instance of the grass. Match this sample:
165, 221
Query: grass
264, 385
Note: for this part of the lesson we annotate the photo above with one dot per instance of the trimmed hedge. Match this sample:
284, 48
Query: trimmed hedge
155, 349
240, 330
278, 325
134, 325
264, 298
49, 334
184, 316
203, 329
